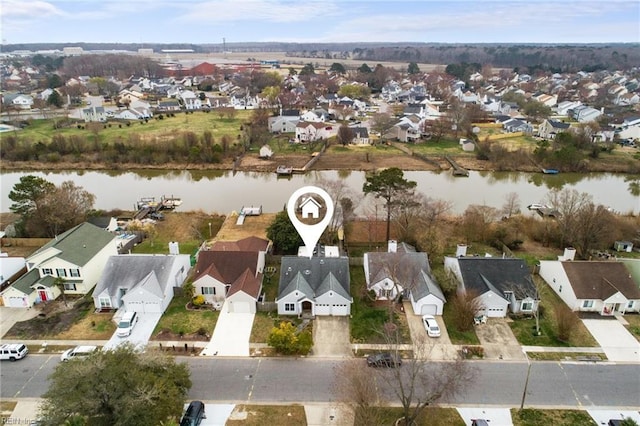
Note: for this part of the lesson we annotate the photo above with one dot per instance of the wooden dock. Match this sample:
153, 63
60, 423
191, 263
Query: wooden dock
458, 170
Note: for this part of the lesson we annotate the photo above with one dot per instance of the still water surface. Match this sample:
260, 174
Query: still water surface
223, 191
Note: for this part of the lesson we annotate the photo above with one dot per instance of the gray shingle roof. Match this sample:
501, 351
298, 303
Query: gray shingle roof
314, 276
482, 274
126, 271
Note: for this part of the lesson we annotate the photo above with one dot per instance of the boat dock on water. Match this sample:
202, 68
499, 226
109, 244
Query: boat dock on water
284, 170
165, 203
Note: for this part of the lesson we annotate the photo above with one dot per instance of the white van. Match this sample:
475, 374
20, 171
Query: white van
13, 351
79, 352
126, 324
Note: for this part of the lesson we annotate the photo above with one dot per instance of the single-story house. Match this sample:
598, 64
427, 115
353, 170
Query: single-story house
500, 284
605, 287
140, 282
402, 270
314, 286
78, 256
233, 271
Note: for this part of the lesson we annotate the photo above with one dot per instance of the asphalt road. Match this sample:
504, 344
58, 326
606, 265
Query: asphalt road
277, 380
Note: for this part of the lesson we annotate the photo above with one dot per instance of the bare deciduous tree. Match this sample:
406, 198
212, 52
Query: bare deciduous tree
466, 307
511, 205
356, 388
420, 382
566, 321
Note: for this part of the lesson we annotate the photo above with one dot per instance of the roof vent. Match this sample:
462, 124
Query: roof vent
307, 271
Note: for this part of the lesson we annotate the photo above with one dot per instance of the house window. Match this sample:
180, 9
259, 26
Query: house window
630, 304
105, 302
527, 306
75, 273
208, 290
560, 289
587, 304
61, 272
69, 286
47, 271
289, 307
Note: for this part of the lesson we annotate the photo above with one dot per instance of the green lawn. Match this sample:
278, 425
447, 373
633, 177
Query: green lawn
258, 415
457, 337
442, 147
524, 328
198, 122
634, 324
367, 318
181, 321
534, 417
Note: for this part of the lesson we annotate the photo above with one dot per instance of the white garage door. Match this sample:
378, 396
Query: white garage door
14, 302
495, 312
135, 306
430, 309
241, 307
322, 309
340, 310
153, 307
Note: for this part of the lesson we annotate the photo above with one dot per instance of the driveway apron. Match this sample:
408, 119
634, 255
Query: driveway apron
614, 339
331, 337
494, 416
10, 316
231, 334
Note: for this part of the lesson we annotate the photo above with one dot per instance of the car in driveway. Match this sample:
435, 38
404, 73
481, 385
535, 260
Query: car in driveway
385, 359
479, 422
126, 324
431, 325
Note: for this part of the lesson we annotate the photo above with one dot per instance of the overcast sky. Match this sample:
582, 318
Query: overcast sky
192, 21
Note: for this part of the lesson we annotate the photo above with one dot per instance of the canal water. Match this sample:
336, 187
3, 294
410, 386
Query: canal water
224, 191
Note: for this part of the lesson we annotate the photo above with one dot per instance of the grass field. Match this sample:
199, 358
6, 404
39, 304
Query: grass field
181, 321
259, 415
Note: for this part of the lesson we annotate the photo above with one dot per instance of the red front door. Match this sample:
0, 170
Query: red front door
43, 295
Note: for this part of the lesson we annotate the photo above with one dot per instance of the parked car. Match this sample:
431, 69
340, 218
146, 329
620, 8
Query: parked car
194, 414
385, 359
431, 325
126, 324
13, 351
79, 352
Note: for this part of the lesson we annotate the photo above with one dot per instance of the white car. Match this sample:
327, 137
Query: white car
430, 324
126, 324
79, 352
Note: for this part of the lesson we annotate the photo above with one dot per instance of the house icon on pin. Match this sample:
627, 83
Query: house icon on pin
310, 208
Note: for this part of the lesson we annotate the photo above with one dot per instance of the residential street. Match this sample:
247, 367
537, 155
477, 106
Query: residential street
278, 380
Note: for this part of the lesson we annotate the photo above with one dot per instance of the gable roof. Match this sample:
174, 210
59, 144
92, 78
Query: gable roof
248, 283
225, 266
483, 274
245, 244
128, 270
600, 280
314, 276
411, 270
79, 244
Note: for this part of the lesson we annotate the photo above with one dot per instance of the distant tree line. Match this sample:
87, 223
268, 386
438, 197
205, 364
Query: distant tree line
185, 147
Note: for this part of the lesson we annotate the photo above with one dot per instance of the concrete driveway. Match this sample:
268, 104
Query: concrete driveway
140, 334
498, 340
216, 414
602, 417
231, 334
614, 339
494, 416
10, 316
435, 348
331, 337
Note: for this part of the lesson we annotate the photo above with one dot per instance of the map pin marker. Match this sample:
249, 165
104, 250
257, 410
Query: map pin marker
311, 200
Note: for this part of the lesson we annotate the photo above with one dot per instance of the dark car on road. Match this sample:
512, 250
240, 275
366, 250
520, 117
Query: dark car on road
385, 359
